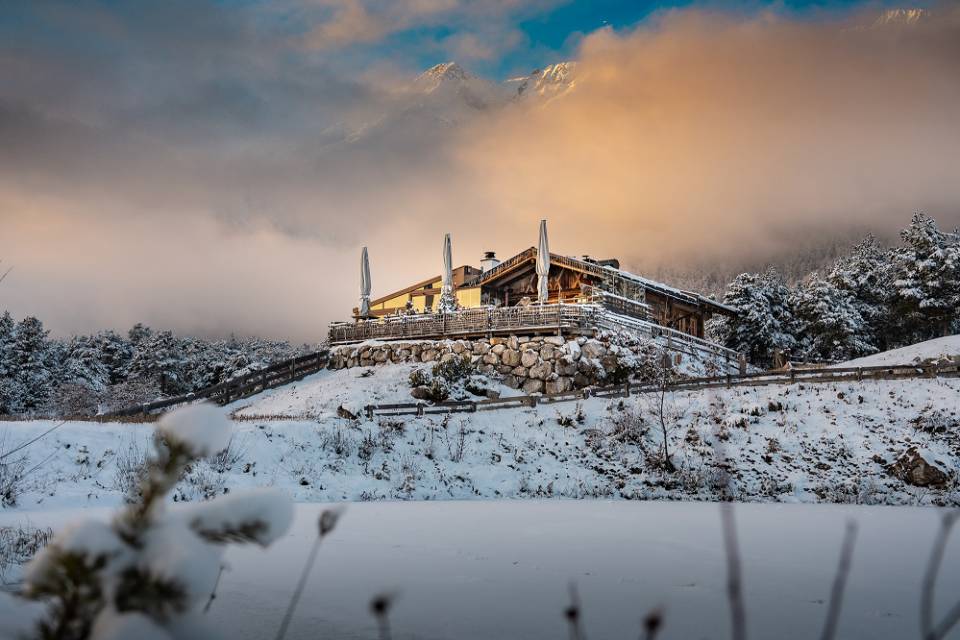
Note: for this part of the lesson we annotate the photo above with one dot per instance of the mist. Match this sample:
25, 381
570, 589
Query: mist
234, 196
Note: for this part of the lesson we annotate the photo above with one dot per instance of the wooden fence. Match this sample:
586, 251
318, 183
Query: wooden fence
813, 375
275, 375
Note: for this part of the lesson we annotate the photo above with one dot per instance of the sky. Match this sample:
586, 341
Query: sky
214, 167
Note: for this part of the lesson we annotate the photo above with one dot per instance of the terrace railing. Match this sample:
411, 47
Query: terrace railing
548, 318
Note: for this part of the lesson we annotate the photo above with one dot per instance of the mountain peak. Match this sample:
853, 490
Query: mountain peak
439, 73
905, 16
550, 81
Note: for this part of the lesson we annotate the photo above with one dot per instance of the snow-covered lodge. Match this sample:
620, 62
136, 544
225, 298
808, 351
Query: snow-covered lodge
570, 281
533, 291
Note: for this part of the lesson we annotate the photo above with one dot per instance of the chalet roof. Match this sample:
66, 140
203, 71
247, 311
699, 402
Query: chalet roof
602, 271
419, 285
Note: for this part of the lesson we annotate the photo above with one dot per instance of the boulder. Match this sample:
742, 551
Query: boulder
458, 347
557, 341
491, 358
498, 348
481, 348
381, 355
510, 357
513, 343
504, 369
913, 469
511, 381
448, 357
520, 372
420, 393
540, 371
561, 385
609, 362
593, 349
547, 351
488, 369
565, 366
533, 386
529, 358
581, 381
497, 341
428, 355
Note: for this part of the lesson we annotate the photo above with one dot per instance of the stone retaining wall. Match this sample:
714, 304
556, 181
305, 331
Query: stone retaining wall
550, 364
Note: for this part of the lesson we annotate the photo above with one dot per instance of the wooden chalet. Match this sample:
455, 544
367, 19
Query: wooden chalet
513, 282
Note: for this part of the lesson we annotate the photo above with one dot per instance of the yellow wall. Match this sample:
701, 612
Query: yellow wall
467, 298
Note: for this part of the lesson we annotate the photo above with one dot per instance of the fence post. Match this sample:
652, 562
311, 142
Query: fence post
793, 375
728, 380
419, 408
369, 410
626, 389
859, 373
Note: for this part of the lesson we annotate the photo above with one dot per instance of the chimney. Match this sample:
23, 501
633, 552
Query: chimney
489, 261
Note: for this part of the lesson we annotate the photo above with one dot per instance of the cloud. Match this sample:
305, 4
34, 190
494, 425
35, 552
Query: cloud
708, 134
226, 182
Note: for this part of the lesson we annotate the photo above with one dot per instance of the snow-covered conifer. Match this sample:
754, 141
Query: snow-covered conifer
764, 321
829, 327
928, 277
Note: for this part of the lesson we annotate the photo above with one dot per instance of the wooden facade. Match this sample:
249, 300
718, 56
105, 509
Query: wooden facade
571, 280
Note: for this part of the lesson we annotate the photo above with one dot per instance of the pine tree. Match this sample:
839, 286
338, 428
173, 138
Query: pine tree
764, 322
866, 274
927, 280
32, 358
829, 327
159, 358
83, 364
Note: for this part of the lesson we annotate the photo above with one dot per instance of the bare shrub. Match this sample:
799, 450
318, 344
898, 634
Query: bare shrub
130, 470
337, 442
72, 399
230, 457
13, 472
457, 444
368, 446
199, 482
628, 426
19, 544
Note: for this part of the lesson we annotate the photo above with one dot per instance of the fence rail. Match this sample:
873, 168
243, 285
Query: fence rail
274, 375
813, 375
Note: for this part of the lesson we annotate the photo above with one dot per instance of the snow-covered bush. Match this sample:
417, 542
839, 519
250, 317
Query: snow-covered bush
453, 370
146, 573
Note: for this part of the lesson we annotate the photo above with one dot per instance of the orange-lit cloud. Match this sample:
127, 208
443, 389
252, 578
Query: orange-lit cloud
236, 196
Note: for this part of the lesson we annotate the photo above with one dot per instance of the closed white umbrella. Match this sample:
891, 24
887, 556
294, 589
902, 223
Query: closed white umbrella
447, 300
364, 284
543, 264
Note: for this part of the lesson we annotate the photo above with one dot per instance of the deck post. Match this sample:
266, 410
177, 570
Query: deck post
419, 409
369, 411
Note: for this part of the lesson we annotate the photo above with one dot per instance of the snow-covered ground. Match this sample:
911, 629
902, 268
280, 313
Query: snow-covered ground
482, 570
801, 443
931, 350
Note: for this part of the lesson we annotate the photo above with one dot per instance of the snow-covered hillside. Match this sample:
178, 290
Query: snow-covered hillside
802, 443
930, 351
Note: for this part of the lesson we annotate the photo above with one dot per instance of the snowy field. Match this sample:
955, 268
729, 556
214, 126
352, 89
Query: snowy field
937, 349
482, 570
800, 443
